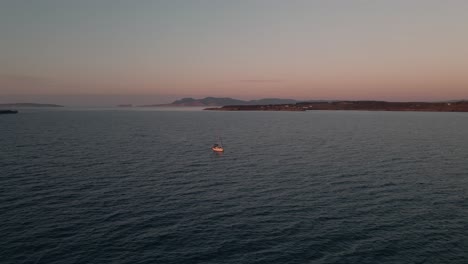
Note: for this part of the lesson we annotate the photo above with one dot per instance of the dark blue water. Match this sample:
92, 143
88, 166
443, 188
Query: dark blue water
128, 186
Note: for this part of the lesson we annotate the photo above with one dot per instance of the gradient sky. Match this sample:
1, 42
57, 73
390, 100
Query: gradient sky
330, 49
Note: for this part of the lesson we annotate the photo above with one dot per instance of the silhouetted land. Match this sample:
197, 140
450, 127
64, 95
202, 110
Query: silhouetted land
8, 112
220, 101
459, 106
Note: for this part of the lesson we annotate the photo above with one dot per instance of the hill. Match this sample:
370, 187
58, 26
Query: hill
222, 101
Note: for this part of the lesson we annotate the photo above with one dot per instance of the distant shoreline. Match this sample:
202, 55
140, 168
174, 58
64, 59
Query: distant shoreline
460, 106
3, 112
362, 105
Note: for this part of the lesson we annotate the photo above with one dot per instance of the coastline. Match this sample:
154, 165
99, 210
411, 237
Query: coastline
460, 106
7, 111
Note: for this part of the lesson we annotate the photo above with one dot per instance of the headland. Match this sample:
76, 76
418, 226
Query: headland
2, 112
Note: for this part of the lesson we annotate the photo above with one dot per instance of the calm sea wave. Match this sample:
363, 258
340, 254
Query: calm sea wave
143, 186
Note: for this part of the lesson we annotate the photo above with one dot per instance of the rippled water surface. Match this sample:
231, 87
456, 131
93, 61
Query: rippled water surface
126, 186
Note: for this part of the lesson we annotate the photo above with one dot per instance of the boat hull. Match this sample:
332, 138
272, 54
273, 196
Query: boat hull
217, 149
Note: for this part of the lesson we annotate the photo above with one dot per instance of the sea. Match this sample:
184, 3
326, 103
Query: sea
143, 186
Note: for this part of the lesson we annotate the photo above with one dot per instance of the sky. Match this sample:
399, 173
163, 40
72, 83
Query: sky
146, 51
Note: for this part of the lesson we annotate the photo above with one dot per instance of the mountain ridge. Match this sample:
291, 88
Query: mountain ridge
222, 101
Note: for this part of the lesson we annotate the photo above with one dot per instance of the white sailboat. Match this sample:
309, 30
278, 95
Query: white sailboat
218, 147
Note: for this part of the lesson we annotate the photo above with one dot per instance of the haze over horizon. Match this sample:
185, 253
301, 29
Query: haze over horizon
142, 52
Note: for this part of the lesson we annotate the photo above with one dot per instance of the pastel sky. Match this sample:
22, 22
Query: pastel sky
330, 49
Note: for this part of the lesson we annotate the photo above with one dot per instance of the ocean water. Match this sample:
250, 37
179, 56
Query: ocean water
143, 186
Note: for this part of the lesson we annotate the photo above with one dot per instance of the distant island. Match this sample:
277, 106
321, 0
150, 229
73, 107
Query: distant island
125, 105
29, 105
452, 106
222, 101
2, 112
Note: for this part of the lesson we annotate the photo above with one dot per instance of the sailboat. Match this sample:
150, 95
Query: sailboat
218, 147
